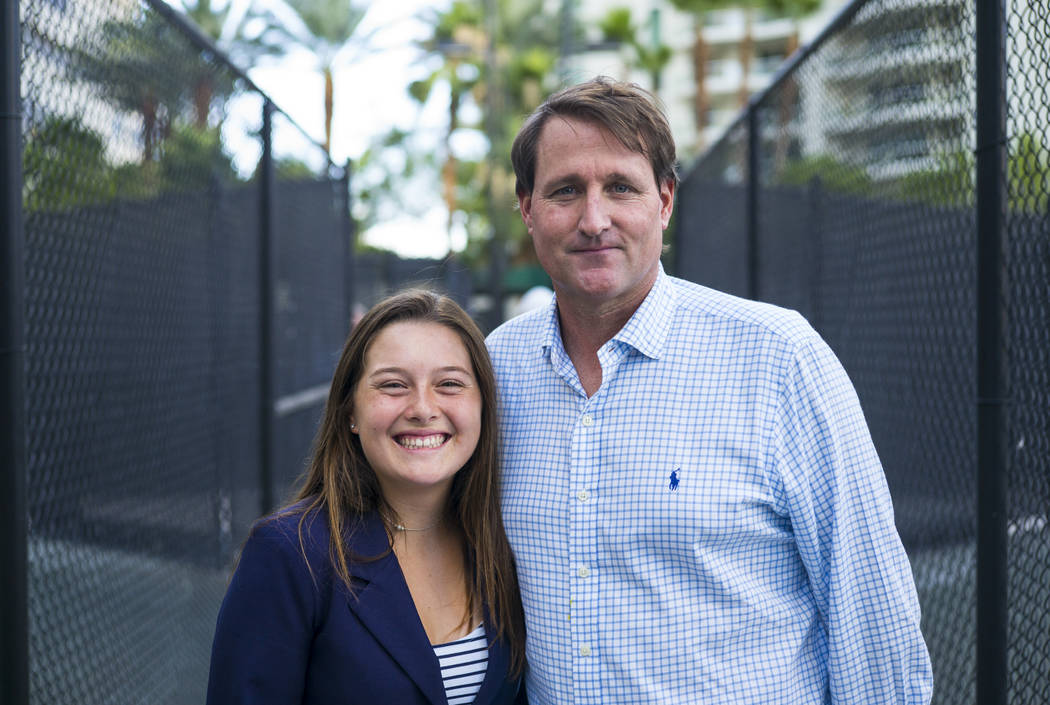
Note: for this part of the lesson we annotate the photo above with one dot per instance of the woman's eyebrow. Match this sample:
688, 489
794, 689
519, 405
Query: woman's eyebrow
400, 370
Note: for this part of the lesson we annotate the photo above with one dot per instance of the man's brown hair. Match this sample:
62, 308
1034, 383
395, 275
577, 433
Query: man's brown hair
632, 114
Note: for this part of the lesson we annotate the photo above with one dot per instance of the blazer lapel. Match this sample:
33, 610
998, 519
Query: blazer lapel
385, 607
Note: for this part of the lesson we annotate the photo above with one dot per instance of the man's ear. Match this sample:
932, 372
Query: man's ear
525, 206
667, 190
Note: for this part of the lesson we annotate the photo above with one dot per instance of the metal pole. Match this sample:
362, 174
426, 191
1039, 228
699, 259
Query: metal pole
266, 277
992, 583
493, 119
14, 614
816, 254
752, 201
566, 40
350, 277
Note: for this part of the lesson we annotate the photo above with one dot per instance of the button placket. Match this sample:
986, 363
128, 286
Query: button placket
585, 468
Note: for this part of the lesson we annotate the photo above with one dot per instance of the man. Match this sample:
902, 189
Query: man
695, 505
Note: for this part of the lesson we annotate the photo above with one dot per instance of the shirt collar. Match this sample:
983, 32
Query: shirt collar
646, 331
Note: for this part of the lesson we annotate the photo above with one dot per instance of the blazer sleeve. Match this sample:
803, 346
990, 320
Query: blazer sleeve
266, 622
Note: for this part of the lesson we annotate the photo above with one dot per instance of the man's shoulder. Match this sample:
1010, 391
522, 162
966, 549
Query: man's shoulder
717, 308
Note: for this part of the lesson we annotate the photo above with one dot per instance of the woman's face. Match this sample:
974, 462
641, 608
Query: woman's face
417, 408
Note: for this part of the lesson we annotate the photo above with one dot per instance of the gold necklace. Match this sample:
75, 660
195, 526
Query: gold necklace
402, 527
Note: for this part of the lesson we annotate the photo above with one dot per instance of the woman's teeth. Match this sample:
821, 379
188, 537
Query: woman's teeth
413, 442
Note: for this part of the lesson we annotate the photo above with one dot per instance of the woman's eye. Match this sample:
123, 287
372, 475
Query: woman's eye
392, 385
451, 384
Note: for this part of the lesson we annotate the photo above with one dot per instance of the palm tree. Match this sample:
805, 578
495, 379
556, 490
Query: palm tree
458, 41
498, 57
328, 29
210, 21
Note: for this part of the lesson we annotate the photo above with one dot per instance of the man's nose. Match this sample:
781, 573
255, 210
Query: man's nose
594, 220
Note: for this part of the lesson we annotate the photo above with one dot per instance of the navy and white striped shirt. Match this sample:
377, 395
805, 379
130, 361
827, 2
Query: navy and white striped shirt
712, 525
463, 664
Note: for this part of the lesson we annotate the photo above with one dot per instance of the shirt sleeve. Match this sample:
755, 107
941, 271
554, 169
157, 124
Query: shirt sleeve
842, 518
265, 626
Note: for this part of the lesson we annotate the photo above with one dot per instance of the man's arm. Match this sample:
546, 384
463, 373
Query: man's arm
842, 517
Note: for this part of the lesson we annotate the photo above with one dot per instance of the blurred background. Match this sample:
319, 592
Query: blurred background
200, 197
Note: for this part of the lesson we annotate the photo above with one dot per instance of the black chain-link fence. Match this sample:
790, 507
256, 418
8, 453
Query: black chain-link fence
848, 191
188, 276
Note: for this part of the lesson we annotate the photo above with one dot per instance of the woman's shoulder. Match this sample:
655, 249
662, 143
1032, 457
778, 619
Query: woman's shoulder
306, 528
300, 526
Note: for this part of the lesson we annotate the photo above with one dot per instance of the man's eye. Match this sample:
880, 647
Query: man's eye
565, 191
622, 188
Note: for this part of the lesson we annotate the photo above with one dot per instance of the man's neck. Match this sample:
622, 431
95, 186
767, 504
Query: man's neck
585, 329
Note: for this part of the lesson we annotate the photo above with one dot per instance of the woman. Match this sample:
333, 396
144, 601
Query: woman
388, 579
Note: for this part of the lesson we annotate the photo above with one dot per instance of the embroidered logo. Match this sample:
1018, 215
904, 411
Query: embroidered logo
673, 484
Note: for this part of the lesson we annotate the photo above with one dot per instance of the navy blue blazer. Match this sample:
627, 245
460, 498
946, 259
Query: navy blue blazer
289, 632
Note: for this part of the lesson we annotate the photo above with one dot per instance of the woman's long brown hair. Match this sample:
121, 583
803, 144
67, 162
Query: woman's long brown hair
340, 480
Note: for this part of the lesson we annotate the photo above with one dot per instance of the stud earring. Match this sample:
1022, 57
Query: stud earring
353, 428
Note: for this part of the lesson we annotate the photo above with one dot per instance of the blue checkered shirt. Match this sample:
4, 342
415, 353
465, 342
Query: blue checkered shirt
711, 526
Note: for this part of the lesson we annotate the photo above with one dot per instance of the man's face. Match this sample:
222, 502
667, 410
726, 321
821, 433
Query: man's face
596, 215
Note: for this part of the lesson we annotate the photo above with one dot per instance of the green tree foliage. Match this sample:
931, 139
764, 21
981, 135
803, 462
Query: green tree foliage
63, 166
457, 38
952, 182
192, 158
493, 71
1028, 170
832, 174
618, 27
214, 22
141, 64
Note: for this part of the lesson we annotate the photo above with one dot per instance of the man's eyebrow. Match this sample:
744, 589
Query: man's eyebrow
573, 177
559, 180
620, 176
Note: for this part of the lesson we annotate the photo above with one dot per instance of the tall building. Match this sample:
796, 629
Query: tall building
717, 60
900, 78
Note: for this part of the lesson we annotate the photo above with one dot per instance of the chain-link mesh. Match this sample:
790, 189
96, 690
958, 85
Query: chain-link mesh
866, 224
143, 220
1028, 347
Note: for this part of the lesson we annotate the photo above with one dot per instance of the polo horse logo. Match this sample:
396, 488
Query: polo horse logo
673, 484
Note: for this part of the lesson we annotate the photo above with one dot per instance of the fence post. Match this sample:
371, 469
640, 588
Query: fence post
266, 276
751, 200
14, 598
349, 233
816, 254
992, 566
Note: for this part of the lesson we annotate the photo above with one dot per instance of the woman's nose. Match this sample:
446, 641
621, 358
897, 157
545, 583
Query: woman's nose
423, 406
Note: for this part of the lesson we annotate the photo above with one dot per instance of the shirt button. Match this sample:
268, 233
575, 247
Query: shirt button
587, 420
583, 495
585, 650
584, 572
